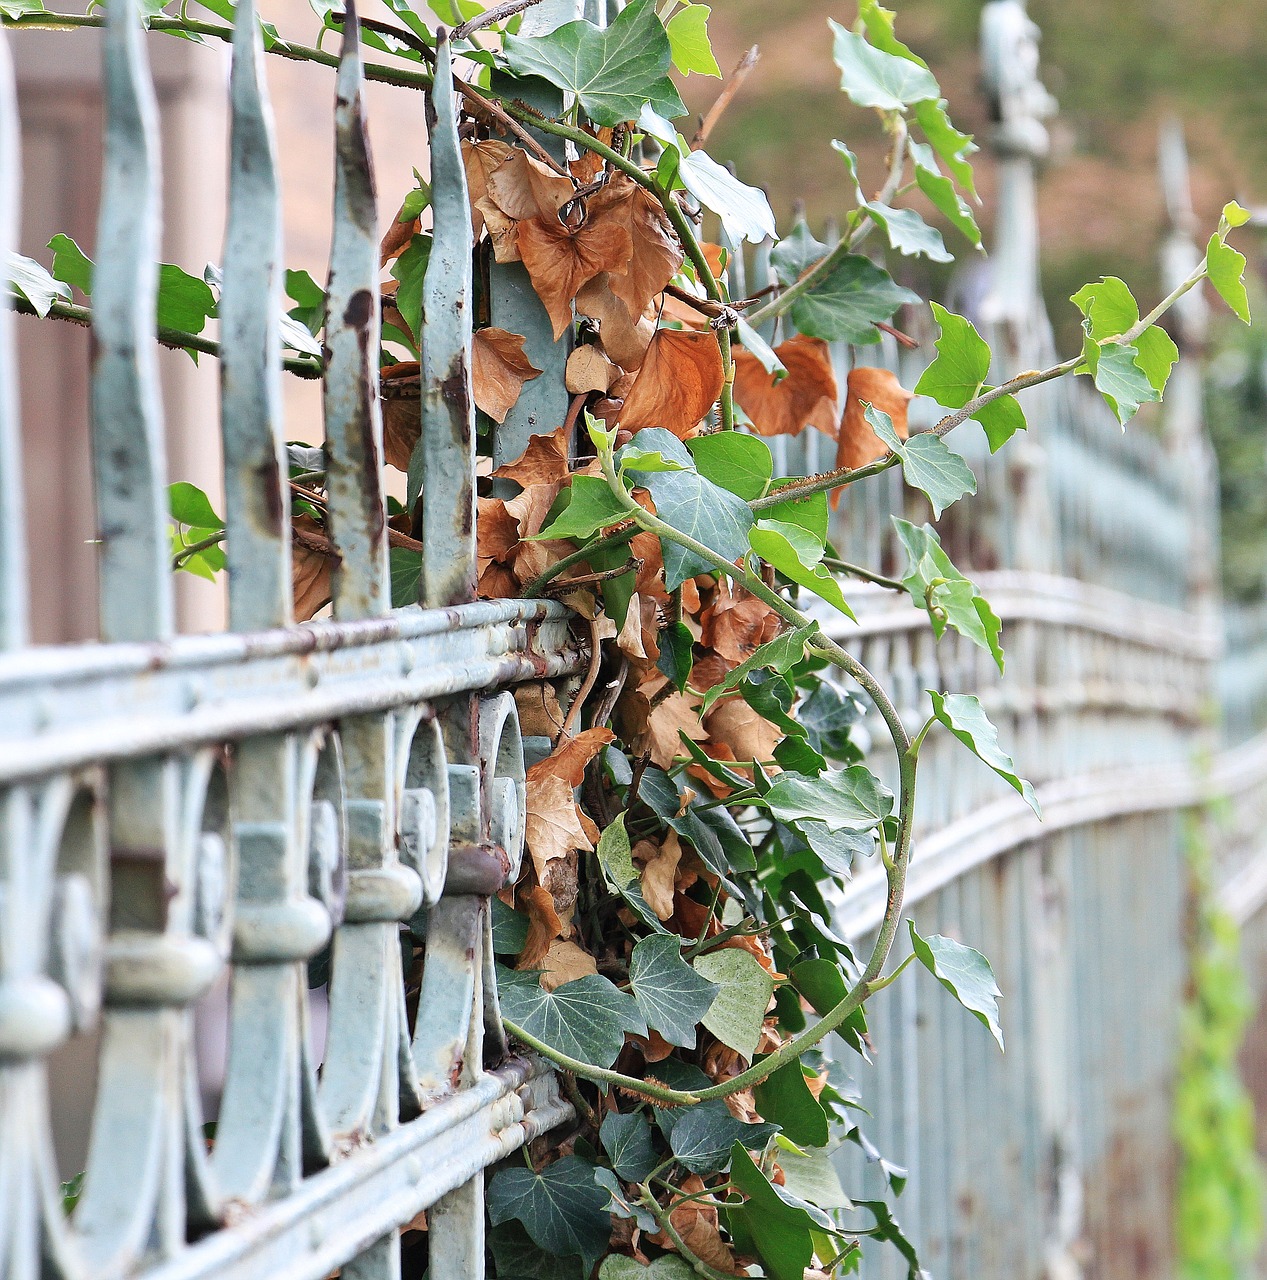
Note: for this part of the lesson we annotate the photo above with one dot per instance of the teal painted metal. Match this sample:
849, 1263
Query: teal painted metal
187, 816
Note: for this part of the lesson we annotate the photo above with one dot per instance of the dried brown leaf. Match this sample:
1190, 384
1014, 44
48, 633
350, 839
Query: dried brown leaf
679, 381
544, 461
588, 369
806, 397
544, 926
311, 569
624, 337
560, 259
523, 187
858, 444
656, 255
571, 755
659, 872
479, 160
499, 369
402, 412
736, 624
553, 826
565, 962
733, 723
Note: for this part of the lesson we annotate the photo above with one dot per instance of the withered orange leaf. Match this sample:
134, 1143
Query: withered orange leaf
858, 444
553, 828
480, 159
544, 926
656, 256
402, 412
522, 187
735, 724
499, 369
569, 758
503, 231
658, 872
624, 338
544, 461
588, 369
560, 259
806, 397
736, 624
311, 565
589, 164
396, 238
565, 962
680, 380
496, 530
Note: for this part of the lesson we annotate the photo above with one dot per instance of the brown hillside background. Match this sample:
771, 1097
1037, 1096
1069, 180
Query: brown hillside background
1117, 70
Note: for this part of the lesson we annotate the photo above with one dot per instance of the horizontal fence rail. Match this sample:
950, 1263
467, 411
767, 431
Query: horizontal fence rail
252, 823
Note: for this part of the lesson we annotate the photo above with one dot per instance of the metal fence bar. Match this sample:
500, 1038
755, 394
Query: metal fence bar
256, 500
14, 622
128, 451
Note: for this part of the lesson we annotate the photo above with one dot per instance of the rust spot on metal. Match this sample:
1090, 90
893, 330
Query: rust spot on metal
356, 315
271, 486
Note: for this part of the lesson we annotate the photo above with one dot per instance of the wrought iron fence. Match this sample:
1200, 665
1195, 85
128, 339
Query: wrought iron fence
184, 812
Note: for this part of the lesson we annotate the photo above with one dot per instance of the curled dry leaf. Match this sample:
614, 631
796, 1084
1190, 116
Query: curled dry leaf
544, 461
570, 757
397, 237
480, 159
655, 729
735, 724
311, 567
503, 231
560, 259
588, 165
402, 412
565, 962
522, 187
638, 638
588, 369
679, 382
544, 926
658, 872
696, 1222
624, 338
736, 624
858, 444
499, 369
654, 1047
553, 828
538, 705
807, 397
656, 257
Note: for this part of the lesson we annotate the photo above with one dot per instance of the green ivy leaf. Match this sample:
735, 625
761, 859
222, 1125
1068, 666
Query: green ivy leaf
796, 554
889, 1230
586, 1019
928, 464
562, 1208
951, 146
1001, 419
185, 302
627, 1140
613, 71
672, 996
848, 303
756, 345
780, 654
593, 506
510, 928
189, 505
1226, 268
795, 254
688, 39
962, 714
836, 850
517, 1258
71, 265
34, 283
809, 513
1119, 379
962, 364
1108, 308
676, 653
744, 211
869, 77
784, 1098
950, 598
704, 1136
615, 858
405, 567
878, 22
780, 1231
621, 1204
941, 193
15, 9
671, 1266
908, 233
410, 269
810, 1175
740, 463
737, 1014
823, 985
1156, 354
965, 973
852, 799
692, 505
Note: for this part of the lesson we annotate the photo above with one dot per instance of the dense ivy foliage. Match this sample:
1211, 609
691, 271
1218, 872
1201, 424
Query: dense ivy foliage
702, 797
